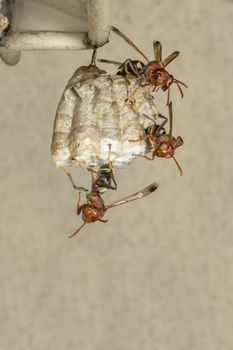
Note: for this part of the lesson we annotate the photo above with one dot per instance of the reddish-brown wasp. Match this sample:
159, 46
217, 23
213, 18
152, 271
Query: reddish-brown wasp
161, 144
153, 72
94, 208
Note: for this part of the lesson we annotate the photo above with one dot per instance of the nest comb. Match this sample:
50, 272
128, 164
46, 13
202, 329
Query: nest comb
97, 110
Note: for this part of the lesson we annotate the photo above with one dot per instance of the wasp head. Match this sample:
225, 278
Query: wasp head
94, 208
166, 145
155, 74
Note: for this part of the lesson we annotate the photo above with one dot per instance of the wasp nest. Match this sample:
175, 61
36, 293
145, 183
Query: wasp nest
97, 110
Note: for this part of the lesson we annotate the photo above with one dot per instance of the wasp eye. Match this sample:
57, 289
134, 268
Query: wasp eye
156, 74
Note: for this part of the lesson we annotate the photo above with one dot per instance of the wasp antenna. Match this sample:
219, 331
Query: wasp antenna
178, 166
126, 39
77, 231
181, 82
181, 91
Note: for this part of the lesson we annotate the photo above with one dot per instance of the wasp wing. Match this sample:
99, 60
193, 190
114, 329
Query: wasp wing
170, 58
140, 194
157, 51
170, 117
124, 37
103, 60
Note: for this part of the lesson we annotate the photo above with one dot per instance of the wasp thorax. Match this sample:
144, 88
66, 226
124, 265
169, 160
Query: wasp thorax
97, 110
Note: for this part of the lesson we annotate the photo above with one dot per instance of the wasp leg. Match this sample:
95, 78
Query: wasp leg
143, 156
111, 169
79, 207
109, 157
92, 170
72, 181
110, 187
143, 138
92, 176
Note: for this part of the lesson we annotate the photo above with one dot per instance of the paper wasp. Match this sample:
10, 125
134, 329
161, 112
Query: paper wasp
153, 72
94, 208
162, 144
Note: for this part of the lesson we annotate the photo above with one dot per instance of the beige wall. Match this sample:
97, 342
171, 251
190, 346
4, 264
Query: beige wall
159, 275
